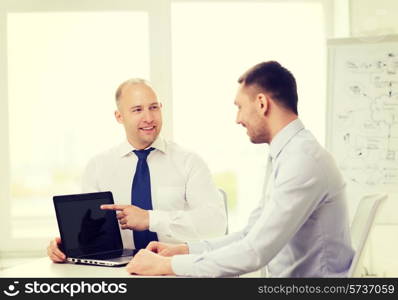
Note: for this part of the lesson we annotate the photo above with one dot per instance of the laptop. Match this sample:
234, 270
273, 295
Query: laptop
89, 234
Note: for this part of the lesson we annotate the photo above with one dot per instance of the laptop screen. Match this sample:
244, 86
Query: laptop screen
86, 229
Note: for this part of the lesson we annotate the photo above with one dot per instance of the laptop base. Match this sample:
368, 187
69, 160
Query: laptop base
113, 262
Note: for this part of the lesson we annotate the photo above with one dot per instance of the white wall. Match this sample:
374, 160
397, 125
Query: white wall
373, 17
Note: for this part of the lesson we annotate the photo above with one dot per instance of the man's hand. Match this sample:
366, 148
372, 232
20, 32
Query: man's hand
53, 251
146, 262
165, 249
130, 216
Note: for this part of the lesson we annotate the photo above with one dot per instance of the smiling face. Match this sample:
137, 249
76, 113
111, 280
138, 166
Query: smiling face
252, 108
140, 113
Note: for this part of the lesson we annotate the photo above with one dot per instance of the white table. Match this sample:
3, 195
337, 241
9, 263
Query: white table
43, 267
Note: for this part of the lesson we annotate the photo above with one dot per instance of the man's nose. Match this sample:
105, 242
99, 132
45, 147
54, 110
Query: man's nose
148, 116
237, 120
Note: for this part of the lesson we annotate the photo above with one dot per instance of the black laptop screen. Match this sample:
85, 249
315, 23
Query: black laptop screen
86, 229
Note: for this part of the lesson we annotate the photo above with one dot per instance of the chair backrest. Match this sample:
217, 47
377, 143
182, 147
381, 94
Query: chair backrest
224, 196
361, 227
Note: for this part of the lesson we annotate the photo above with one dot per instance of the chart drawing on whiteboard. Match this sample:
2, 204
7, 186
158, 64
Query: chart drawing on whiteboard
363, 118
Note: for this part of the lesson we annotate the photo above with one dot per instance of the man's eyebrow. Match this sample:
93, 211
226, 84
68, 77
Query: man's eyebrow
135, 106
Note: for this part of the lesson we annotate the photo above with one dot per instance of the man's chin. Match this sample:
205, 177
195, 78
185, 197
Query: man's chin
257, 140
149, 139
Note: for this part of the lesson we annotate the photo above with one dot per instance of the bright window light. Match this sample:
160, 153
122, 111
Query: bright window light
213, 44
63, 70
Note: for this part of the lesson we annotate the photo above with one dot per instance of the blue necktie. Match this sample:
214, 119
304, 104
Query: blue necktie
141, 196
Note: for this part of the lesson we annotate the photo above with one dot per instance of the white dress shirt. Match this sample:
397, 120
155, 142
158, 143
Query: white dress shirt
300, 227
187, 206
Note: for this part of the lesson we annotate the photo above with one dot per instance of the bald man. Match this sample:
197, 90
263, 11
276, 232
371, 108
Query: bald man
162, 191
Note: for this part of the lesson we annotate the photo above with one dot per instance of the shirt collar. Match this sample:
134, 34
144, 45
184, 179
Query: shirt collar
126, 148
283, 137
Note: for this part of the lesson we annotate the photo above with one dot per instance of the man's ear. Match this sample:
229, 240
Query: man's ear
118, 117
263, 102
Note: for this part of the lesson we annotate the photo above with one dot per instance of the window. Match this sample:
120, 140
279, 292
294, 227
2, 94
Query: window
213, 44
63, 70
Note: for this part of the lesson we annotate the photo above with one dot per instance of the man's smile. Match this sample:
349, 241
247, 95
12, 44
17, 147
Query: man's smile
148, 128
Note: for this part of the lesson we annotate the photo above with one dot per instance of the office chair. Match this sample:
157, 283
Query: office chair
361, 227
224, 196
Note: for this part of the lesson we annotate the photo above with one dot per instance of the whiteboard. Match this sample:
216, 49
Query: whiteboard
362, 113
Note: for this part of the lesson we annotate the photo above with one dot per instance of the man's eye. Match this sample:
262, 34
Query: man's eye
154, 107
136, 109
